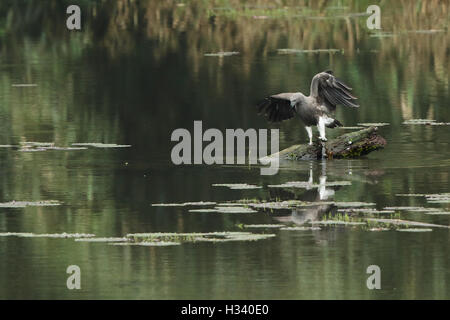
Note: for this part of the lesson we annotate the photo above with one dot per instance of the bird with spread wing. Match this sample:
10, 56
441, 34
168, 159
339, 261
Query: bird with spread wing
317, 109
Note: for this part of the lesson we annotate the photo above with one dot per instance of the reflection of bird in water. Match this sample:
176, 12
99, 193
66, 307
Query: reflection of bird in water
311, 194
304, 215
324, 192
317, 109
300, 216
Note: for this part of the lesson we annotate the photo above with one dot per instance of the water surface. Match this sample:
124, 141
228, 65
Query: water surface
138, 71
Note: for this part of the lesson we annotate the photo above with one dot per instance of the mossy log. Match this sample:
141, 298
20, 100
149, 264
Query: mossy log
349, 145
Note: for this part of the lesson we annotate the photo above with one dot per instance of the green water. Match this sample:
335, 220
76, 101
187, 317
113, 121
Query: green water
137, 71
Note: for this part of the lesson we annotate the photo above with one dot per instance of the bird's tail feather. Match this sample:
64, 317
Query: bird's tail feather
334, 124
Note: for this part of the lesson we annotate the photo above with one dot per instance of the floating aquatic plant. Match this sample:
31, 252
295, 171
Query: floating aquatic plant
438, 198
101, 145
203, 210
354, 204
405, 208
37, 144
430, 31
306, 184
198, 237
15, 234
23, 204
365, 210
383, 35
24, 85
340, 222
437, 213
295, 51
300, 229
379, 229
262, 226
350, 128
221, 54
419, 121
31, 149
237, 237
399, 222
237, 186
146, 244
415, 230
184, 204
46, 235
32, 146
374, 124
288, 204
64, 148
234, 209
104, 239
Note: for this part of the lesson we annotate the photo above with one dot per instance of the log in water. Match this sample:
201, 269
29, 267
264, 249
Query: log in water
349, 145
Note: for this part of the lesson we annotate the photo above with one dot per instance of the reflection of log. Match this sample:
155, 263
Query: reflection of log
349, 145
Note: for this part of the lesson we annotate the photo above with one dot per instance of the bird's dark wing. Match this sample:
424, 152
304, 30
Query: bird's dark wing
278, 107
332, 91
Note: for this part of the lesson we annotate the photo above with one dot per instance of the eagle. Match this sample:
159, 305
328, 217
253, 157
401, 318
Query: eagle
317, 109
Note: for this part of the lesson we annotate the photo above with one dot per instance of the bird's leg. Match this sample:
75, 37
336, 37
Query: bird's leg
321, 127
310, 135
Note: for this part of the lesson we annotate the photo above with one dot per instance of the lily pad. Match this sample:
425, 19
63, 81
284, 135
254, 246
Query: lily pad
184, 204
296, 51
104, 239
198, 237
374, 124
379, 229
419, 121
146, 244
23, 204
101, 145
200, 203
350, 128
305, 184
36, 144
365, 210
335, 222
47, 235
405, 208
406, 223
64, 148
234, 209
438, 213
15, 234
203, 210
430, 31
300, 229
262, 226
32, 149
221, 54
289, 204
354, 204
415, 230
237, 186
24, 85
